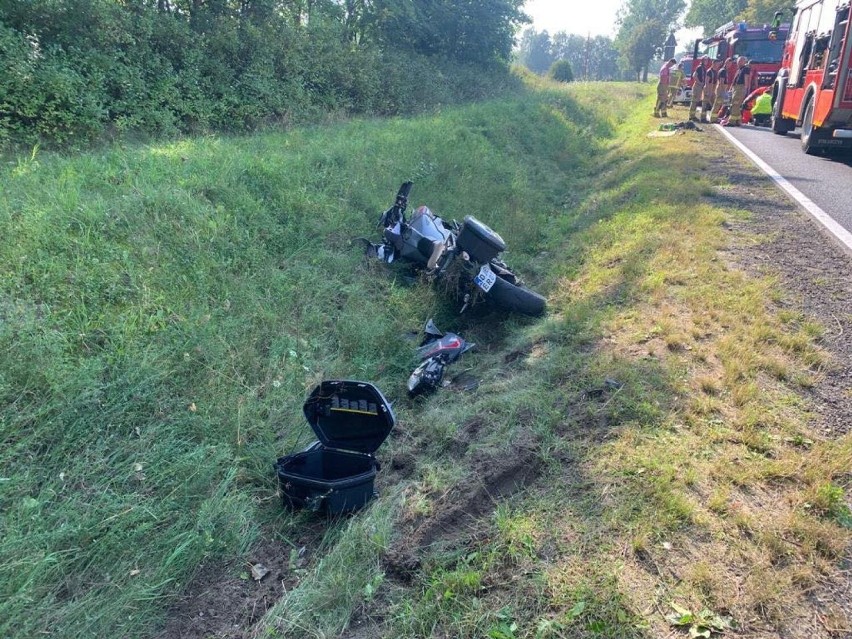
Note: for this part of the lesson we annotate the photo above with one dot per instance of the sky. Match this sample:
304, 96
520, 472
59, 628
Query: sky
584, 17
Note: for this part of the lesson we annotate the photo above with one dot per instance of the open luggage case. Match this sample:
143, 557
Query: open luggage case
336, 474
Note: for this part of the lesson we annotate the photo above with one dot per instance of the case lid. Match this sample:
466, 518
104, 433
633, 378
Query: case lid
349, 415
484, 233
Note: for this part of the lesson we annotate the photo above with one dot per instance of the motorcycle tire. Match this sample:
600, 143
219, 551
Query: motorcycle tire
516, 298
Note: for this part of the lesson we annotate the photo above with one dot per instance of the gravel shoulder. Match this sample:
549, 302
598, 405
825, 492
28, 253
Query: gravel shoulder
778, 239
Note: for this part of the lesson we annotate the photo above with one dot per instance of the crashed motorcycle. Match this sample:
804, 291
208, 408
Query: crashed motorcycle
436, 352
466, 255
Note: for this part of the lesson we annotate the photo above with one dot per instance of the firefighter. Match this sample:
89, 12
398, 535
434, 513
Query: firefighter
710, 91
721, 89
675, 80
663, 89
739, 88
759, 105
698, 78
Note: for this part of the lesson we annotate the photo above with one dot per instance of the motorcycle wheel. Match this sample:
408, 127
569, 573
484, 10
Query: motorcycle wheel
516, 298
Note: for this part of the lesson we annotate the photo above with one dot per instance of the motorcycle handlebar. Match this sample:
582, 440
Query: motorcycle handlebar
396, 213
402, 195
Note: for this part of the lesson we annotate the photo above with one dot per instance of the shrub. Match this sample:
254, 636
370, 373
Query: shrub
561, 71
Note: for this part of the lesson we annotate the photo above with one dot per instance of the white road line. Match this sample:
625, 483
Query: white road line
838, 232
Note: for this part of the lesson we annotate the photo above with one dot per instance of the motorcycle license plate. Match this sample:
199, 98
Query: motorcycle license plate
485, 278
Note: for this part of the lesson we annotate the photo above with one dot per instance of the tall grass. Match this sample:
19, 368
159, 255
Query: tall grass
164, 308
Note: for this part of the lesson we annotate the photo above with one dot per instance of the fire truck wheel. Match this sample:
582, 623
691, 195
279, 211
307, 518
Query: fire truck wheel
780, 125
809, 131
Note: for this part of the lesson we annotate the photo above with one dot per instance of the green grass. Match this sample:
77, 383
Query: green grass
164, 310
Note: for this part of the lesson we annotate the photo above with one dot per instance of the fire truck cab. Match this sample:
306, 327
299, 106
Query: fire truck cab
763, 46
813, 88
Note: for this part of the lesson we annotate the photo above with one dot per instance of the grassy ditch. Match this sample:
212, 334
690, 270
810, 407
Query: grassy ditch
165, 309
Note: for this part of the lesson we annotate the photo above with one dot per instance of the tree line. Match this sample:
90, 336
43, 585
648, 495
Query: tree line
643, 28
77, 69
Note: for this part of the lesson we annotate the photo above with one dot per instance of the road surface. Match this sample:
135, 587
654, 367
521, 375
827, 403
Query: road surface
825, 180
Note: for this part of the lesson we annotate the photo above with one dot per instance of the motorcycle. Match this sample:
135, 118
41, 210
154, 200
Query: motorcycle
465, 255
437, 351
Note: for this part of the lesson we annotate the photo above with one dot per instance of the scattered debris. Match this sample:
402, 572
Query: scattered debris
609, 384
336, 473
465, 382
437, 351
614, 384
259, 571
687, 125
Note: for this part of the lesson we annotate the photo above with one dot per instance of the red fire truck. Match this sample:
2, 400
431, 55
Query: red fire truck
814, 85
762, 46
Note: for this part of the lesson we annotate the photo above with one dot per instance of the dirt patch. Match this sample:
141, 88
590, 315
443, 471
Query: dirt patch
402, 466
224, 601
456, 515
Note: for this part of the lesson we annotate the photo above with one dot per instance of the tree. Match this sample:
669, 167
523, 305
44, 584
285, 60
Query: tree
591, 58
763, 11
645, 24
640, 45
711, 14
535, 51
561, 71
474, 31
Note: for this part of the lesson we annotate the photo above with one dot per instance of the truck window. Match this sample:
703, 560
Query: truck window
800, 28
717, 50
826, 20
760, 51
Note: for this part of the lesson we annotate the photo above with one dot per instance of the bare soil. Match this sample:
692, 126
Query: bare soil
224, 600
456, 518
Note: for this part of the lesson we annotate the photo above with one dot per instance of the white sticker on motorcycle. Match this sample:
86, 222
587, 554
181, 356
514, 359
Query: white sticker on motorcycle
485, 278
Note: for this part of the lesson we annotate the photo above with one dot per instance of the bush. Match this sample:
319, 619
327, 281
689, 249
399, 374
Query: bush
73, 71
561, 71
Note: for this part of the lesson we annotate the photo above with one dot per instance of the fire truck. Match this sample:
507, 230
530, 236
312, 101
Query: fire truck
763, 46
814, 85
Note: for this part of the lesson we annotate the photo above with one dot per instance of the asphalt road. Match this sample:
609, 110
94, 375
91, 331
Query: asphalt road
826, 180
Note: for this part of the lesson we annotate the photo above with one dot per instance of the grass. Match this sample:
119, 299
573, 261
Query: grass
166, 308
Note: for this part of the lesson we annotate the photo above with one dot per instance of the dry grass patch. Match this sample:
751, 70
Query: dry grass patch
724, 479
